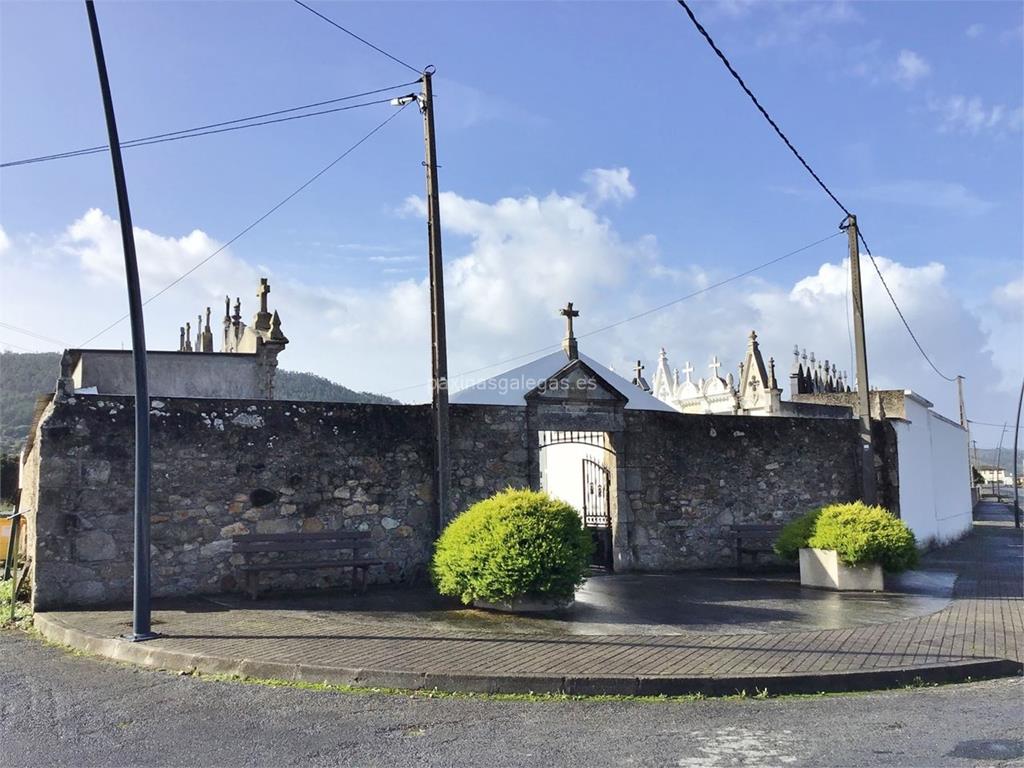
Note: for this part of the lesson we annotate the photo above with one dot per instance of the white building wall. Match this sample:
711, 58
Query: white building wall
561, 470
934, 473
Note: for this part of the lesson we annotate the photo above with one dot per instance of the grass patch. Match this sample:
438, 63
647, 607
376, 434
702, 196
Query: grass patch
760, 694
22, 612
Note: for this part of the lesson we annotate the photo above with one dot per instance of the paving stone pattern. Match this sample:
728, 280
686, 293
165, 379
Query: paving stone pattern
985, 621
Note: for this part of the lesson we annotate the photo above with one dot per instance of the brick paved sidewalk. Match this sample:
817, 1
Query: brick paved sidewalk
980, 633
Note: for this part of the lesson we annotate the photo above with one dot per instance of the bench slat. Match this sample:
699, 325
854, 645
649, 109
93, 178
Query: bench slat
321, 536
306, 566
298, 546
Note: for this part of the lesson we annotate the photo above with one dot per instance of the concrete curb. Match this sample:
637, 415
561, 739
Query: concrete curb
151, 654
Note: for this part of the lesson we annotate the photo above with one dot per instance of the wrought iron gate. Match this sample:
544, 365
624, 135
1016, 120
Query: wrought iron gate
597, 510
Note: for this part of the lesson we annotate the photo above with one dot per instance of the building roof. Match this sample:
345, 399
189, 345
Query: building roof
512, 386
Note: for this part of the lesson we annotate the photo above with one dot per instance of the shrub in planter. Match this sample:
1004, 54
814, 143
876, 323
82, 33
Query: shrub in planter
861, 534
795, 534
858, 533
516, 544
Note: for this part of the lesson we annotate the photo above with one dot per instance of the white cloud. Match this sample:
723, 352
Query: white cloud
793, 23
1010, 296
960, 114
5, 242
609, 185
974, 31
510, 264
943, 195
910, 68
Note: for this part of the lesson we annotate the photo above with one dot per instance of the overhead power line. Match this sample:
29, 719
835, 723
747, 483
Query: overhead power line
637, 316
775, 126
254, 223
33, 334
905, 323
211, 128
362, 40
990, 424
18, 346
762, 110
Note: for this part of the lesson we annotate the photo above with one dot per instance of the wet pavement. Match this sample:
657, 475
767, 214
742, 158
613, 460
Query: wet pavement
651, 604
631, 634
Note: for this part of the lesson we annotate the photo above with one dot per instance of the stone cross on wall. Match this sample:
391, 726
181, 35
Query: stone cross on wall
262, 320
715, 365
688, 369
261, 293
569, 345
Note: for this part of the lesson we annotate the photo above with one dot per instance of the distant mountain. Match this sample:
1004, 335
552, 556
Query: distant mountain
24, 376
292, 385
991, 457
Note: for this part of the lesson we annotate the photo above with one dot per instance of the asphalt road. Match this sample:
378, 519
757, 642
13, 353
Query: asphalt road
60, 709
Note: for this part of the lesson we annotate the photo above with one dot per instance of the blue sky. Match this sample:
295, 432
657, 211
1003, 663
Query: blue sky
910, 111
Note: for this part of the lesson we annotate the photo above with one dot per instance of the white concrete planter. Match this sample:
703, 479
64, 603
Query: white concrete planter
822, 568
525, 605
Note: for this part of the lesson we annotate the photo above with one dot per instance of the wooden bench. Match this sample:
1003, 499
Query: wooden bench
755, 539
254, 544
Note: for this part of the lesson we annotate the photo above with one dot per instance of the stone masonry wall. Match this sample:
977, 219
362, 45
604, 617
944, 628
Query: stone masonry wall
223, 468
488, 452
689, 478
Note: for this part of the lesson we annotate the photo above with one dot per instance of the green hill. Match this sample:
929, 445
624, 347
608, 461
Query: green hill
292, 385
26, 376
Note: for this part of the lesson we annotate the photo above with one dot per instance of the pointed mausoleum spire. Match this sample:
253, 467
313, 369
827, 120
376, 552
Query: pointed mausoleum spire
662, 386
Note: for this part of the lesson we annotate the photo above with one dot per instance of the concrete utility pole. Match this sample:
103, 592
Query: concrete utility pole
1016, 477
999, 465
870, 494
439, 345
963, 409
141, 626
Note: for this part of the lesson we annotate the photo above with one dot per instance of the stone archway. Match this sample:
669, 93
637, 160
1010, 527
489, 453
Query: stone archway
576, 405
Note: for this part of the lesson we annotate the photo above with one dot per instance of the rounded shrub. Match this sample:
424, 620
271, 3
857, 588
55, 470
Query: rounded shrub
517, 543
858, 533
862, 534
795, 534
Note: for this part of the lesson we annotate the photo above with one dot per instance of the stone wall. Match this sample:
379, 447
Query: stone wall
885, 403
689, 478
222, 468
173, 374
227, 467
488, 452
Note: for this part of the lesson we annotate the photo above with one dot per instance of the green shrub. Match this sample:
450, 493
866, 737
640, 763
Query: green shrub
517, 543
795, 535
862, 534
858, 533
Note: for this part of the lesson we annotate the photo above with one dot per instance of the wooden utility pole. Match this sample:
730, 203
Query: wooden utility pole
439, 346
141, 625
870, 489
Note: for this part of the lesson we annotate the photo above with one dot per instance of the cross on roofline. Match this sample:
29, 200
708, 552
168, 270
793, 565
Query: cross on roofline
569, 313
261, 293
